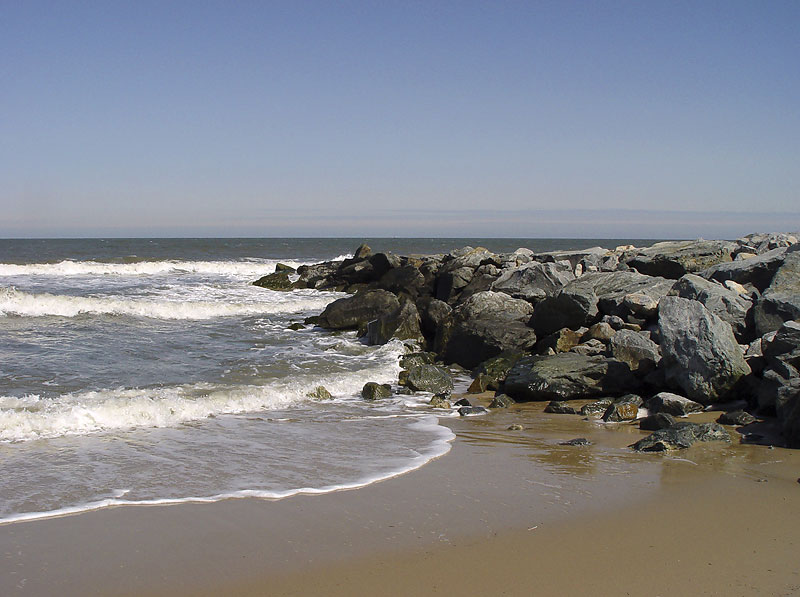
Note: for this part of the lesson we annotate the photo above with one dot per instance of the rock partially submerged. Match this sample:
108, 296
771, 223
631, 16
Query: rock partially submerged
681, 435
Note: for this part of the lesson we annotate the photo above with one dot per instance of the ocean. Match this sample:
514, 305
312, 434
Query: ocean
151, 371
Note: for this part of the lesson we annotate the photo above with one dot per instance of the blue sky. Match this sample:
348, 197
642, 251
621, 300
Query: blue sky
399, 118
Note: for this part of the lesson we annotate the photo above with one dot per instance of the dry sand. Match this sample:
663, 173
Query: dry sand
504, 513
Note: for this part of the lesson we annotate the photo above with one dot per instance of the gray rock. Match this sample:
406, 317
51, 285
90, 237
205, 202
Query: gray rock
403, 323
574, 258
757, 271
726, 304
501, 401
407, 279
672, 404
466, 411
578, 441
533, 281
569, 308
417, 358
566, 376
374, 391
681, 435
634, 349
656, 422
700, 355
356, 311
429, 378
780, 385
433, 313
781, 300
673, 259
736, 417
589, 348
450, 283
439, 402
494, 305
318, 275
282, 267
362, 252
601, 331
596, 408
762, 242
558, 407
275, 281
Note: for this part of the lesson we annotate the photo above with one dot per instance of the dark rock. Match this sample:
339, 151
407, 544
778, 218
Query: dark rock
640, 305
780, 385
501, 401
320, 393
318, 275
433, 313
407, 279
781, 300
700, 354
534, 281
757, 271
625, 408
449, 284
479, 385
673, 259
466, 411
656, 422
681, 435
403, 323
463, 402
282, 267
574, 258
568, 308
429, 378
471, 342
558, 407
596, 408
578, 441
518, 427
495, 369
355, 311
296, 326
677, 406
566, 376
417, 358
638, 352
374, 391
736, 417
726, 304
275, 281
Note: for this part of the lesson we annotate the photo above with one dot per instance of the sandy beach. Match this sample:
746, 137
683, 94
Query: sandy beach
504, 512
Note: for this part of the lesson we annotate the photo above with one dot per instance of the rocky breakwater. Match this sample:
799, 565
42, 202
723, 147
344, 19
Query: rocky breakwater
705, 322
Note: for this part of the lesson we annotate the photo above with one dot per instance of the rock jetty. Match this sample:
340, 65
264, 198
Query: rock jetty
682, 325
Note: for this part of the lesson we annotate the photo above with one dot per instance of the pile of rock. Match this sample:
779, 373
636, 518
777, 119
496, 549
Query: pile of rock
714, 321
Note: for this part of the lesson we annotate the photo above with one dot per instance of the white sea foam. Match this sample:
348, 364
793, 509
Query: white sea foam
439, 446
68, 267
17, 302
33, 417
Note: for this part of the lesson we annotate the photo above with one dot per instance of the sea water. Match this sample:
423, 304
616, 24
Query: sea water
145, 371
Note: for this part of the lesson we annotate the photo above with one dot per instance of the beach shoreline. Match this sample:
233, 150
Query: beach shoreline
504, 512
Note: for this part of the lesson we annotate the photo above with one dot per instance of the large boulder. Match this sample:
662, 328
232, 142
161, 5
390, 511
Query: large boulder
319, 275
494, 305
356, 311
471, 342
781, 300
567, 376
757, 271
534, 281
429, 378
636, 350
780, 387
681, 435
569, 308
672, 404
673, 259
433, 313
407, 278
700, 355
275, 281
726, 304
403, 323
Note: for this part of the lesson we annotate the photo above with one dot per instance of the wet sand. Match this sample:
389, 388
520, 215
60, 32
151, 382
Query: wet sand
505, 512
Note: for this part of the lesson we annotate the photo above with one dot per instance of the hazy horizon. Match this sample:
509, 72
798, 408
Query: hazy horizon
402, 119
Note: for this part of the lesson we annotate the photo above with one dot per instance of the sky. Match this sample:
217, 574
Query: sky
523, 119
